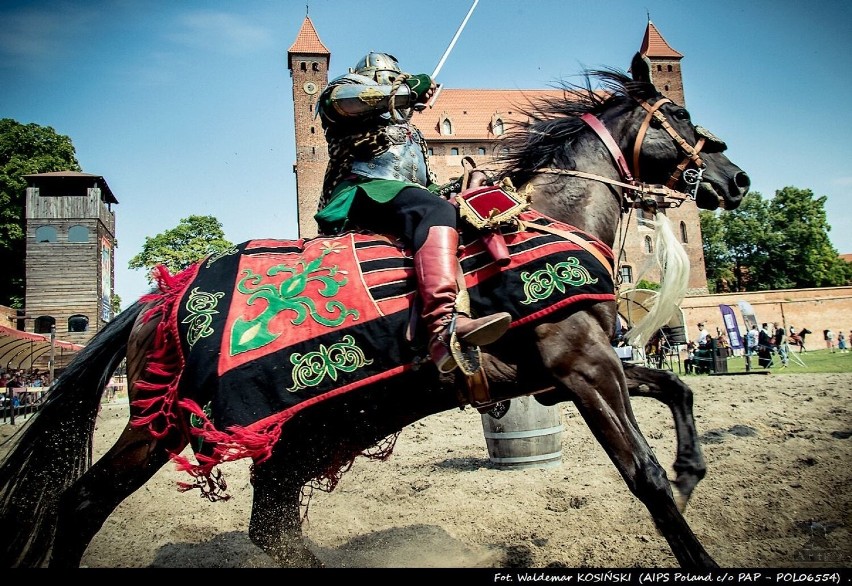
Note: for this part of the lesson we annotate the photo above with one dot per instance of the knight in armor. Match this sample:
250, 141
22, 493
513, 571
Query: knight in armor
378, 179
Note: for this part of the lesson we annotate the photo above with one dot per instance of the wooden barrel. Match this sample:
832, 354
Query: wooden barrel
528, 435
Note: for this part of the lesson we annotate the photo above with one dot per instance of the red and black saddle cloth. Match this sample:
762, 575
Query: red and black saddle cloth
272, 327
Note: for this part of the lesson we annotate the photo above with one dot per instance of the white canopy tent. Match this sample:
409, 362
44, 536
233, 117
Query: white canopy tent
634, 305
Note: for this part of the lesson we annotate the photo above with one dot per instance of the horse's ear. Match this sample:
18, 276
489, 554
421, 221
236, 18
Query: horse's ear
640, 68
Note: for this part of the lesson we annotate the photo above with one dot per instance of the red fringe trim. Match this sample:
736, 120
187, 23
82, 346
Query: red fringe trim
158, 392
158, 402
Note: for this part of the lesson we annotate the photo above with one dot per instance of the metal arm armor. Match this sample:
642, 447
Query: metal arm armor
356, 96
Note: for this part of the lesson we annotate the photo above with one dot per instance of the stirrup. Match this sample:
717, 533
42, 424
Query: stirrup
455, 353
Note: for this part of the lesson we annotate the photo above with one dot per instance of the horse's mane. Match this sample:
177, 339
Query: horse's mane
552, 123
546, 138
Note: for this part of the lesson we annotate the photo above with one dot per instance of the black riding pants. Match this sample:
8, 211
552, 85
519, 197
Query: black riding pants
409, 215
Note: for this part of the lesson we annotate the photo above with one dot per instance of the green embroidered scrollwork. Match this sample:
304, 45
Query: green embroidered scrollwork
289, 296
216, 256
542, 283
198, 423
311, 368
201, 307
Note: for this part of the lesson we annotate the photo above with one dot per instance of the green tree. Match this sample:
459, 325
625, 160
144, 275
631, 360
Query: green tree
645, 284
115, 303
780, 243
717, 258
800, 254
746, 231
191, 240
25, 149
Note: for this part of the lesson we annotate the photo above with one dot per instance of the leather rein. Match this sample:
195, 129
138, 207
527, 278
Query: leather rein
644, 195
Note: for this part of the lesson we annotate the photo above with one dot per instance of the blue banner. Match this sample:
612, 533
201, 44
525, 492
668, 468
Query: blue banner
731, 326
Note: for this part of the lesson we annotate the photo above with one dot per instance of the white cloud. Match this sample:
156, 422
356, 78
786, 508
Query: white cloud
29, 36
842, 181
223, 32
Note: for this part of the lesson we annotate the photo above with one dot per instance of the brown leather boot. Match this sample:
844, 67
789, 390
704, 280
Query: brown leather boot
436, 264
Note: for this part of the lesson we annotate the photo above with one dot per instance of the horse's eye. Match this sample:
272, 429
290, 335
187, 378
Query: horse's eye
682, 114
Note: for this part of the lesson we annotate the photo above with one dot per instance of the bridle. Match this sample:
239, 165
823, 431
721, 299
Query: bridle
690, 152
635, 192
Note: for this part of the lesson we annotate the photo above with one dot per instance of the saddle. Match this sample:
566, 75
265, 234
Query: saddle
485, 207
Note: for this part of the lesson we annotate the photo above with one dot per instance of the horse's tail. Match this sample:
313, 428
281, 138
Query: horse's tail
674, 282
54, 448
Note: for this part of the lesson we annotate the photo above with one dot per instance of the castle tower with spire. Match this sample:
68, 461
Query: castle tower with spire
665, 64
308, 60
470, 122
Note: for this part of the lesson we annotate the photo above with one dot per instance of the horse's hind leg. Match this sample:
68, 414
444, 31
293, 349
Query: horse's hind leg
84, 507
587, 368
130, 463
667, 388
276, 524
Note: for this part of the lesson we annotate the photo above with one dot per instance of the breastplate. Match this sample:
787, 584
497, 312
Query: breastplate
402, 161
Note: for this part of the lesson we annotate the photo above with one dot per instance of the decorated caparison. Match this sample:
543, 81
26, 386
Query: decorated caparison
313, 319
301, 356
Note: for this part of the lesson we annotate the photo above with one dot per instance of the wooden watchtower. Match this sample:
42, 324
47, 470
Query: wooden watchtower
70, 255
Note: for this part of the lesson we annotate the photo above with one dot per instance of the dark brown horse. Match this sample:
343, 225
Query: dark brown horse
798, 339
53, 500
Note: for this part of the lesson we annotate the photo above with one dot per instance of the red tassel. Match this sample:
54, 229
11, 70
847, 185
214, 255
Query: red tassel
496, 246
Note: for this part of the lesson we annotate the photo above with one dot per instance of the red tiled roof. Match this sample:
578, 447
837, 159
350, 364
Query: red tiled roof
308, 41
654, 45
847, 257
471, 111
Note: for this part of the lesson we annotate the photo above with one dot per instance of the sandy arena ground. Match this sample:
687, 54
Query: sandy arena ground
778, 493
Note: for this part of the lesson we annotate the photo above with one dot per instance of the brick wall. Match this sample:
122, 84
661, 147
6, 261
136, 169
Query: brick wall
814, 309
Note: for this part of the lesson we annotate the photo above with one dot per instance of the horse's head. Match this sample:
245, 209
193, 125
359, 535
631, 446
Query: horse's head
666, 147
656, 142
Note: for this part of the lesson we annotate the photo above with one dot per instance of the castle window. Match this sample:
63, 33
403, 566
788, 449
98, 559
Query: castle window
626, 274
45, 234
313, 130
683, 236
659, 67
315, 66
431, 151
43, 324
669, 67
454, 151
649, 248
78, 234
497, 126
480, 151
446, 126
666, 87
78, 323
303, 66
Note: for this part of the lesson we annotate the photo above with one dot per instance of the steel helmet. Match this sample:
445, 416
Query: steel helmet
382, 67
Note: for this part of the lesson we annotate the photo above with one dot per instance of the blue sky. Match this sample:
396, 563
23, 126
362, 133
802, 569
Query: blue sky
186, 107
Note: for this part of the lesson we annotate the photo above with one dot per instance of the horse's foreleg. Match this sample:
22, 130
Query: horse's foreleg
668, 388
276, 524
590, 369
84, 507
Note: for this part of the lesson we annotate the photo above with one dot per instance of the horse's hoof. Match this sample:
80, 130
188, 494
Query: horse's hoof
680, 500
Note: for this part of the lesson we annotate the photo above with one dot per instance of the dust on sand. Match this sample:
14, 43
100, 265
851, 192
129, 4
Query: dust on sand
777, 493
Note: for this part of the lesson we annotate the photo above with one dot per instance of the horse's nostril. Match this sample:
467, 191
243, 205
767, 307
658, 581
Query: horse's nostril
742, 181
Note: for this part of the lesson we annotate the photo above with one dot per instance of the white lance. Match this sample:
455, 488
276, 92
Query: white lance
447, 54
